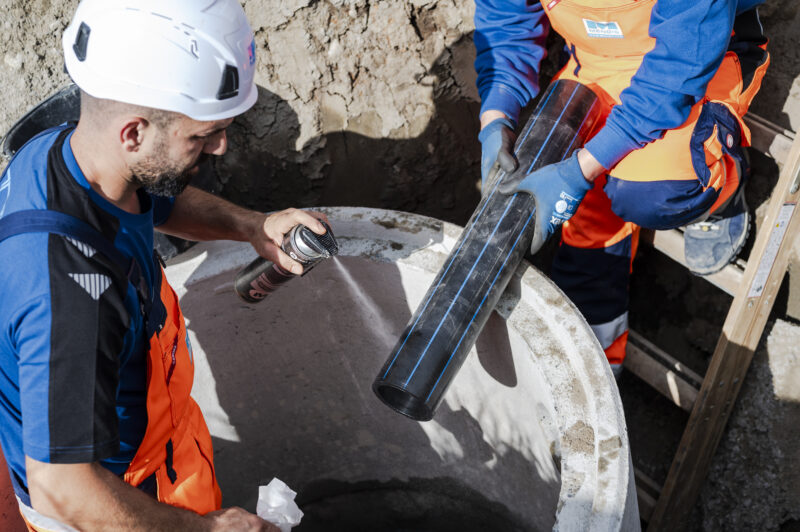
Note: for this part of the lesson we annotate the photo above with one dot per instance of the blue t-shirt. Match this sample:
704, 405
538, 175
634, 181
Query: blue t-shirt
73, 344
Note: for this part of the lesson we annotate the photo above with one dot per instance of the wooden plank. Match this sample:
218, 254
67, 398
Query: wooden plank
657, 368
769, 138
670, 243
740, 335
647, 492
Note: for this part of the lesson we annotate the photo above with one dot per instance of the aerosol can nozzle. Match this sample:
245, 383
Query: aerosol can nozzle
262, 277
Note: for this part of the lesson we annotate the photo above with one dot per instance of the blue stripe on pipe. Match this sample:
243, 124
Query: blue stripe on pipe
424, 352
564, 110
585, 118
535, 118
508, 206
441, 278
453, 258
452, 354
480, 305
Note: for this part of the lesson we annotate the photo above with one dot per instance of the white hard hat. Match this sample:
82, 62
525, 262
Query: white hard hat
195, 57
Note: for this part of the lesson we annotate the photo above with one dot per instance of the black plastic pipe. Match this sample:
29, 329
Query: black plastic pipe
444, 328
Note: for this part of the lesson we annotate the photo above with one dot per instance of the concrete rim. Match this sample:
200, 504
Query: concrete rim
597, 490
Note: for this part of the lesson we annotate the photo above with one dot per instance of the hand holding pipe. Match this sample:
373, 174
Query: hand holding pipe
557, 190
444, 328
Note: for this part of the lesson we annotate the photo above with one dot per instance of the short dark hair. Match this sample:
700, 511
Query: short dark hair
99, 109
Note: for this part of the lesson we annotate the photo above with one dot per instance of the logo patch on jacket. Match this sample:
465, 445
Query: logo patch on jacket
602, 30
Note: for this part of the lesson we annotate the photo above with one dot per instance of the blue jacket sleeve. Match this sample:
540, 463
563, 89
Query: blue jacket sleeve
509, 44
691, 40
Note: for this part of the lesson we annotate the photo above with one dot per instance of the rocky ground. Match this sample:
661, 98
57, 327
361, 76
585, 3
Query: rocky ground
372, 103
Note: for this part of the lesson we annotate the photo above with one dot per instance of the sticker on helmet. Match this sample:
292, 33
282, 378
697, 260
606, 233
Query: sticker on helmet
251, 52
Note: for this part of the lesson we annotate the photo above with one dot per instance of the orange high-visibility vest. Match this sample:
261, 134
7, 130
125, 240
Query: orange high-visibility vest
608, 40
176, 445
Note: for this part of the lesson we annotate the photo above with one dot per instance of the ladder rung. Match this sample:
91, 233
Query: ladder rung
666, 375
647, 492
670, 243
768, 138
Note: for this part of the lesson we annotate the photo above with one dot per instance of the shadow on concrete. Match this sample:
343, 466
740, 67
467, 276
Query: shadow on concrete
780, 21
436, 173
296, 421
293, 378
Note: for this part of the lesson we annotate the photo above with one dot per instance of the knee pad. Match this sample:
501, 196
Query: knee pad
715, 149
659, 204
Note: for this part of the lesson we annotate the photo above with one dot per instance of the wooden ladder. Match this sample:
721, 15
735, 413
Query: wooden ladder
710, 399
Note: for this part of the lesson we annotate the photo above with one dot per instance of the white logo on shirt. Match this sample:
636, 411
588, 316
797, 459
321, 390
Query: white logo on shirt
86, 249
94, 283
602, 30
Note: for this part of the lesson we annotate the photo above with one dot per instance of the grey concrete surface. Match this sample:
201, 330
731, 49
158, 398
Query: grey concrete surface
530, 436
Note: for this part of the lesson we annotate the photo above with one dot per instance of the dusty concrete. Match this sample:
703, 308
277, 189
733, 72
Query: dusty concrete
393, 80
531, 434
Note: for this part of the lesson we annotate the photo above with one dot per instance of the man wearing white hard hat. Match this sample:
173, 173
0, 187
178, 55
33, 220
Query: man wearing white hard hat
99, 430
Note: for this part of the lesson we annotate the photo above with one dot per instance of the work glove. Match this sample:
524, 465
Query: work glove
557, 190
497, 146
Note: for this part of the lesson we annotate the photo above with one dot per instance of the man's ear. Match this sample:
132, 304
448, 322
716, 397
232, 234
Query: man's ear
132, 133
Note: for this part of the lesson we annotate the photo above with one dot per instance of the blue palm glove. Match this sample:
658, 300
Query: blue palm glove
497, 146
557, 189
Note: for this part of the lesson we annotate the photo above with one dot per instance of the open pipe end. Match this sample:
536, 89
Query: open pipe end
403, 401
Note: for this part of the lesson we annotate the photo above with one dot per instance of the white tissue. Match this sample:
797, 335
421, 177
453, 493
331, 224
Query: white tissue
276, 505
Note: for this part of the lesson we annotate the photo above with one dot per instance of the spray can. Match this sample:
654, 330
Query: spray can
262, 277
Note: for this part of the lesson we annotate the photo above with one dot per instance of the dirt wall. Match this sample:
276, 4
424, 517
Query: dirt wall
372, 103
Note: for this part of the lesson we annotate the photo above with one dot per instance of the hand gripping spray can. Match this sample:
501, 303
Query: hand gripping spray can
262, 277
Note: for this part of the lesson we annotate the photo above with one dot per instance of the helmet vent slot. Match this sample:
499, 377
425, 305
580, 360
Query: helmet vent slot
230, 83
81, 41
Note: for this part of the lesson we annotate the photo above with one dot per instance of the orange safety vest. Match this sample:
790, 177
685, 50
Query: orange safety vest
610, 63
607, 38
176, 445
607, 65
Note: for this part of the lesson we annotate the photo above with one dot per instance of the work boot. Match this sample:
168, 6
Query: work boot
713, 243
